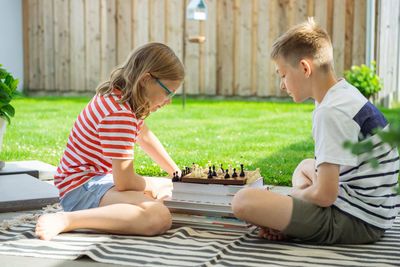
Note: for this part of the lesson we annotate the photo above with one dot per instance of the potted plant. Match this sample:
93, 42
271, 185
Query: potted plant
8, 91
364, 79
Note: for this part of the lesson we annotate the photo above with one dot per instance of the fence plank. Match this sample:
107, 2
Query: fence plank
387, 53
140, 23
108, 38
26, 21
321, 11
192, 58
157, 21
263, 48
348, 30
174, 28
48, 45
301, 11
33, 45
40, 43
284, 19
77, 34
338, 35
210, 50
174, 23
124, 9
61, 46
359, 32
273, 81
242, 84
92, 22
225, 47
254, 47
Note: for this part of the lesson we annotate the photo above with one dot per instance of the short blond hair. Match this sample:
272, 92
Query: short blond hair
305, 40
154, 58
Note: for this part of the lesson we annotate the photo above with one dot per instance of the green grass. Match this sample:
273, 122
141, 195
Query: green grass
274, 137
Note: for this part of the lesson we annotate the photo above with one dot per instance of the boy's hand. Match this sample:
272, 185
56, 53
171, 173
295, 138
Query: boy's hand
270, 234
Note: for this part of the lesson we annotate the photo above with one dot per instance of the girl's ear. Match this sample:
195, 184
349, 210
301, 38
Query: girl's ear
306, 66
145, 78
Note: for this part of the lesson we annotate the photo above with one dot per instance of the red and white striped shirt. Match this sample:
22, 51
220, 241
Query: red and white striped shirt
103, 131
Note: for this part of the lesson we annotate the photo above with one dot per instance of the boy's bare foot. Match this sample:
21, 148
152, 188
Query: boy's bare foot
50, 225
271, 234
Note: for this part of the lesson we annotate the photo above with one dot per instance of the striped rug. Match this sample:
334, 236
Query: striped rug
189, 247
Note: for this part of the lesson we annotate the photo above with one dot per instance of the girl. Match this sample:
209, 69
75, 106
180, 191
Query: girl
98, 186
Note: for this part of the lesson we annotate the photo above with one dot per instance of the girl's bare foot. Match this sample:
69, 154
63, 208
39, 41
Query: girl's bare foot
50, 225
271, 234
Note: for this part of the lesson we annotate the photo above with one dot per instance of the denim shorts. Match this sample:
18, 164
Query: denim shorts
89, 194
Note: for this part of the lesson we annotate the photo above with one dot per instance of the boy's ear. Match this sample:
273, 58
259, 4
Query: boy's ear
306, 66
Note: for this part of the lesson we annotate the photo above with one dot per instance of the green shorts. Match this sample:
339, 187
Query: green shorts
315, 224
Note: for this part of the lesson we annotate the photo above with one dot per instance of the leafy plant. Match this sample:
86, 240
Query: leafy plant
8, 91
364, 79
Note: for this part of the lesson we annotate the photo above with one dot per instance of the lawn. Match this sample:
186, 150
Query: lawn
271, 136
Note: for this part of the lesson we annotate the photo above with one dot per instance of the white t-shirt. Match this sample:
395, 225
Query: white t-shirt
364, 192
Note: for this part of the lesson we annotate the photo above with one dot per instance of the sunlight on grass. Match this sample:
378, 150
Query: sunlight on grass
274, 137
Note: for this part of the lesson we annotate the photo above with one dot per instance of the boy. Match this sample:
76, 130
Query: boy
336, 197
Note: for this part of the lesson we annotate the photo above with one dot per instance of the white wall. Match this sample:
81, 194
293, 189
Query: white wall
11, 44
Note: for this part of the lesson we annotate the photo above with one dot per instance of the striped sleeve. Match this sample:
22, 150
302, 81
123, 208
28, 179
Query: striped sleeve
117, 134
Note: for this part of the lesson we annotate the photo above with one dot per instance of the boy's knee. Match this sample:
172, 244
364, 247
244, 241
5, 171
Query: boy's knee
307, 163
159, 219
242, 201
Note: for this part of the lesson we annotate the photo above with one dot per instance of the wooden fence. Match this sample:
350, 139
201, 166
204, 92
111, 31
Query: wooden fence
72, 45
388, 50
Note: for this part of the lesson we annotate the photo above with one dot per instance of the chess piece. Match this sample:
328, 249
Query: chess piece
214, 173
175, 177
222, 169
234, 174
209, 173
227, 174
241, 172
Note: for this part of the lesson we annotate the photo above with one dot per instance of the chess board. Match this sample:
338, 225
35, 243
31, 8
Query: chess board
215, 180
202, 178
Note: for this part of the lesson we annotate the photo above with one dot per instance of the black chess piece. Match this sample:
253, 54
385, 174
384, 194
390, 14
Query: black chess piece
222, 169
241, 172
175, 178
234, 174
214, 173
227, 174
209, 172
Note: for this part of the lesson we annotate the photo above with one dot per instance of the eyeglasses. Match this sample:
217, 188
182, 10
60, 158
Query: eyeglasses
170, 94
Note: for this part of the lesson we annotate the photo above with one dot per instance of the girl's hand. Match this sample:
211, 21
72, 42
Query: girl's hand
160, 188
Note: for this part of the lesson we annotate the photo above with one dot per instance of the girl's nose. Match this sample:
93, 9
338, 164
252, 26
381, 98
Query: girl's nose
283, 87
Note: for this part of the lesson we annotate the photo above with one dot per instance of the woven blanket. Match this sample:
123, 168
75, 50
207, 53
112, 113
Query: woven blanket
189, 247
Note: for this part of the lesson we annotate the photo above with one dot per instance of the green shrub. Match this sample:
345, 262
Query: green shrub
8, 91
364, 79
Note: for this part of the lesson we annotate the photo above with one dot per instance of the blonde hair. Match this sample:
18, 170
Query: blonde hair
305, 40
155, 58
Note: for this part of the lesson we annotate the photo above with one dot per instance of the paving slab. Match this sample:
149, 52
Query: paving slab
24, 192
35, 168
